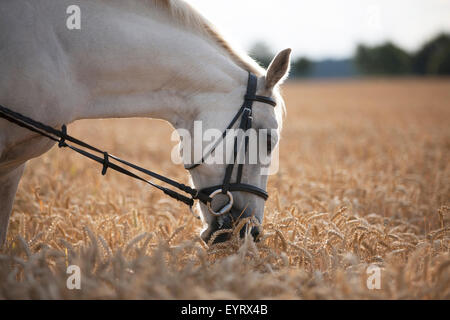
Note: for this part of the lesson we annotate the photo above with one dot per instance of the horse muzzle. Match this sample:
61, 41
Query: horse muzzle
228, 222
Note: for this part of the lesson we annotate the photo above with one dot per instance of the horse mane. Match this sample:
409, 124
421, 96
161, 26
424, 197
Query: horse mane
183, 13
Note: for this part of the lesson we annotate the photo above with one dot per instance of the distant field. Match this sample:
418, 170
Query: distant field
364, 180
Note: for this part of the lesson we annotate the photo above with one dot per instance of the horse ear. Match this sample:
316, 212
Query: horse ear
278, 69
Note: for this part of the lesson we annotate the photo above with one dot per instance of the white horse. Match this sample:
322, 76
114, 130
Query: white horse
131, 58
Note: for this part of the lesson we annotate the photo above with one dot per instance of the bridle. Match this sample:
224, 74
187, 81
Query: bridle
245, 113
204, 195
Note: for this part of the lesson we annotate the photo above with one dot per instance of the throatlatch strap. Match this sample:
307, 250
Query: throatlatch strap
224, 133
249, 97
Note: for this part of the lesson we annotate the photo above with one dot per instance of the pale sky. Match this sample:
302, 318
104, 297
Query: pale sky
327, 28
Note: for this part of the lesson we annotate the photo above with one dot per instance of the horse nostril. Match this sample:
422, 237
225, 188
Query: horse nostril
255, 233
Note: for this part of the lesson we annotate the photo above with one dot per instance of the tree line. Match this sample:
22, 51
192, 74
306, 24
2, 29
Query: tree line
388, 59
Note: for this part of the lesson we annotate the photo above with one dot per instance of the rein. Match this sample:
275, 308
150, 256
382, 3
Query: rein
205, 195
51, 133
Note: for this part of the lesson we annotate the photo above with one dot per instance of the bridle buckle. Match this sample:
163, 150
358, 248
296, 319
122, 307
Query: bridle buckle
225, 208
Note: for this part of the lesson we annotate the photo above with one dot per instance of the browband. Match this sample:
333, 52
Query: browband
262, 99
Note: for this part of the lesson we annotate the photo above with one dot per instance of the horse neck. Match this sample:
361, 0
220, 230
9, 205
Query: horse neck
142, 66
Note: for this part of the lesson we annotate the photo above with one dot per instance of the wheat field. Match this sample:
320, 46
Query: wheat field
364, 180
